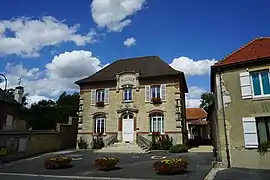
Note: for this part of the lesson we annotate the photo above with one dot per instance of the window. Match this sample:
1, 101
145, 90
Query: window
157, 122
155, 92
260, 83
263, 127
99, 124
127, 94
100, 95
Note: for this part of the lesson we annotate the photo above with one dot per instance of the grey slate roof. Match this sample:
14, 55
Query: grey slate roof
147, 66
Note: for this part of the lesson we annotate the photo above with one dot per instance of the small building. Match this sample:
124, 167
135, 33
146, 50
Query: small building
13, 114
133, 97
241, 117
197, 124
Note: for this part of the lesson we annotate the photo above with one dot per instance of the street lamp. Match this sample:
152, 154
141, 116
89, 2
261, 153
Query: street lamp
5, 89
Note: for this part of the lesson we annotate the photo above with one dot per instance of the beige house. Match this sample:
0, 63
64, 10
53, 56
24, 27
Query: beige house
241, 117
133, 97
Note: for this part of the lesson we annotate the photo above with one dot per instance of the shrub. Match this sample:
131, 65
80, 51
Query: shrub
178, 148
170, 166
263, 148
82, 144
3, 151
106, 163
165, 142
154, 144
57, 162
97, 142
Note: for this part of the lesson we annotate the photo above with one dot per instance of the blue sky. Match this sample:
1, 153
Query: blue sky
53, 43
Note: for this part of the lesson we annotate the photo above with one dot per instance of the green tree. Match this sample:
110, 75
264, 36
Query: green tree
46, 114
207, 100
43, 115
11, 92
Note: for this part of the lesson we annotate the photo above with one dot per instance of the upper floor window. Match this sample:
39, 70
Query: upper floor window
100, 95
155, 91
127, 94
260, 83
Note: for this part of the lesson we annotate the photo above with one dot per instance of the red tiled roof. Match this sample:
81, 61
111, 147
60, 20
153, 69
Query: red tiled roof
198, 122
195, 114
256, 49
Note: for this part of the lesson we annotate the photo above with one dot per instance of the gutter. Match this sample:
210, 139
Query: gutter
224, 122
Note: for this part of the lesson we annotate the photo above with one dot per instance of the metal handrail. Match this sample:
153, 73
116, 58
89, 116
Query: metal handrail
112, 139
143, 141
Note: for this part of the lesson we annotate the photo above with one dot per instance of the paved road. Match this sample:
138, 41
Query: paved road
241, 173
130, 166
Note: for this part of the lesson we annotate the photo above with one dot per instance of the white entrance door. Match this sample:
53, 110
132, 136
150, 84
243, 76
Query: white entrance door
128, 128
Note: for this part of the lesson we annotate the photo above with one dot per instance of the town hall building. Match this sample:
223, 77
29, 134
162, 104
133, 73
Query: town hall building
133, 97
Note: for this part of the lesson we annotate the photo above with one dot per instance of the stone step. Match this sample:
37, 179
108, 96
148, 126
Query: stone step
123, 148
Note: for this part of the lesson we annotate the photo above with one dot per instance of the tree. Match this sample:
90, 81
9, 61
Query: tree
43, 115
207, 100
46, 113
11, 92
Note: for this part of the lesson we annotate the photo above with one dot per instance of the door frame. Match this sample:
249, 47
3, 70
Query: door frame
123, 129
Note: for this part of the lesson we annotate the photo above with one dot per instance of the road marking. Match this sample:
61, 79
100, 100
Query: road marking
67, 177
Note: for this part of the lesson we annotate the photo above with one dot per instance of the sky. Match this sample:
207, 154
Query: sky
51, 44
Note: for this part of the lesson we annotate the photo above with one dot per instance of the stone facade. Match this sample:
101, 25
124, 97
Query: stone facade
237, 143
140, 107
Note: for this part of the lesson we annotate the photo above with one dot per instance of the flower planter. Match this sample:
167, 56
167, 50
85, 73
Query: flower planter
106, 163
100, 104
57, 162
170, 166
156, 100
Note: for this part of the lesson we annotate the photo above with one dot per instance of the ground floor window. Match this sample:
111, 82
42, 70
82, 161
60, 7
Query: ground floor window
99, 124
157, 122
263, 127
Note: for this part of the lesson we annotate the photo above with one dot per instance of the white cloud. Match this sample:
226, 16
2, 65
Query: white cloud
115, 14
193, 98
34, 99
130, 42
192, 67
26, 36
59, 75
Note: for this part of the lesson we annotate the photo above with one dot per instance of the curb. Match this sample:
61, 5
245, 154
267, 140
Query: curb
212, 173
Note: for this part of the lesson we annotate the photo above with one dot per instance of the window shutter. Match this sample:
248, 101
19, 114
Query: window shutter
245, 85
147, 93
250, 132
93, 97
107, 96
163, 92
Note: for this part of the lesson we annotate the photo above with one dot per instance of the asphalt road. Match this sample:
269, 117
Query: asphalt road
130, 166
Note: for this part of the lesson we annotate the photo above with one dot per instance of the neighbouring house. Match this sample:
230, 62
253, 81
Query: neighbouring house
131, 98
241, 117
197, 124
13, 114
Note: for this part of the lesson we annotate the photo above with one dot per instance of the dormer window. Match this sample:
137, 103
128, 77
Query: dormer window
127, 94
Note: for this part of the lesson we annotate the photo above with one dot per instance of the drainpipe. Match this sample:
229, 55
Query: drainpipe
224, 122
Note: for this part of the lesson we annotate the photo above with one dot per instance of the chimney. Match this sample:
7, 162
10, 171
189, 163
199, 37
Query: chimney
18, 94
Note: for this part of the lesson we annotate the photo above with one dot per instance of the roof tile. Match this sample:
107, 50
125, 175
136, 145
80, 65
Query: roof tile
195, 114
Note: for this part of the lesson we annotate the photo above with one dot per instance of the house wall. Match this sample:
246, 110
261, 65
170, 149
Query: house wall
235, 108
18, 118
142, 120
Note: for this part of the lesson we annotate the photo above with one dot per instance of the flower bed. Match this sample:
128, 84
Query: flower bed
57, 162
106, 163
156, 100
170, 166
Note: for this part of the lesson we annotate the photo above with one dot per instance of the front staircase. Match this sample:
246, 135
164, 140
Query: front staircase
128, 148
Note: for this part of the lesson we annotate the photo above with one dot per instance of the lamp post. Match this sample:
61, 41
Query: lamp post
5, 88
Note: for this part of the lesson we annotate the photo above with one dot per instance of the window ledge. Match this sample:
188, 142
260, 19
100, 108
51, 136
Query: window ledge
150, 134
259, 98
127, 101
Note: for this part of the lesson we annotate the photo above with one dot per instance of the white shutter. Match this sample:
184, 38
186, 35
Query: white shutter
147, 93
250, 132
22, 144
93, 97
245, 85
107, 96
163, 92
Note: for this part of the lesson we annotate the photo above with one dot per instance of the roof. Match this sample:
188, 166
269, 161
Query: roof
256, 49
195, 114
10, 100
147, 66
